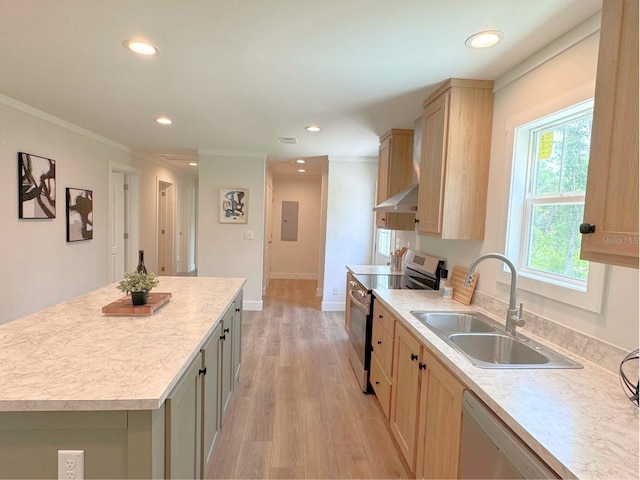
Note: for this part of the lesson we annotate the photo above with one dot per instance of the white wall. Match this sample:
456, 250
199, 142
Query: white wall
559, 82
39, 268
350, 220
297, 259
222, 249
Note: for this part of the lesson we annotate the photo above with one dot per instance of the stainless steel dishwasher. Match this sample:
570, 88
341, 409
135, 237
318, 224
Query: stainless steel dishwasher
489, 449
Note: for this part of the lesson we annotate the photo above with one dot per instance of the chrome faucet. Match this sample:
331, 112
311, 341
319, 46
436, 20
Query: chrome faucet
514, 317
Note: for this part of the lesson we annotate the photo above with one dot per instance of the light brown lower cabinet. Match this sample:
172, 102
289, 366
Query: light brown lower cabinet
382, 356
426, 409
405, 396
440, 422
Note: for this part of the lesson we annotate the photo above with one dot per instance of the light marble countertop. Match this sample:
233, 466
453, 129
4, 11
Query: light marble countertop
372, 270
577, 420
73, 357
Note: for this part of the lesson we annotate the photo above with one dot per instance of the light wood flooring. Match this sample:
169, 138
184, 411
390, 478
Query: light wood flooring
298, 411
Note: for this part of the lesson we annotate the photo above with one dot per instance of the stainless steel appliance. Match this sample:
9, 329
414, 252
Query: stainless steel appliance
489, 449
420, 272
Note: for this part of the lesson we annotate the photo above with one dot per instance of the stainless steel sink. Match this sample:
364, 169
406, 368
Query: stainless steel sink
497, 349
456, 322
486, 345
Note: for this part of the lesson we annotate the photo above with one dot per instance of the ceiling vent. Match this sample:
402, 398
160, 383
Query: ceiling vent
288, 140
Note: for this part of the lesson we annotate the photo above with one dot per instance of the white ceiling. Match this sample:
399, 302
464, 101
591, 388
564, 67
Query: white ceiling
235, 75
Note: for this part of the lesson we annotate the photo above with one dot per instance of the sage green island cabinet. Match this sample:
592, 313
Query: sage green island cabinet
184, 415
142, 397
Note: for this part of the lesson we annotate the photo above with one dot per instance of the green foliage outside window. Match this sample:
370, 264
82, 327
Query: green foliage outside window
556, 198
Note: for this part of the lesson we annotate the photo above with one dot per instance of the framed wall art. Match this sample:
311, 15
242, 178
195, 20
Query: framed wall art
233, 205
36, 186
79, 214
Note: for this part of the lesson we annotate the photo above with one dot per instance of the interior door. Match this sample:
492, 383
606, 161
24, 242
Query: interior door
166, 228
117, 227
183, 210
269, 236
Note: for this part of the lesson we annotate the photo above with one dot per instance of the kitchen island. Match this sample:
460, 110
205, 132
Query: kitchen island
577, 421
132, 392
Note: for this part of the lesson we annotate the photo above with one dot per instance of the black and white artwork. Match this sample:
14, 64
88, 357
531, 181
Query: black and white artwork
79, 214
234, 204
37, 186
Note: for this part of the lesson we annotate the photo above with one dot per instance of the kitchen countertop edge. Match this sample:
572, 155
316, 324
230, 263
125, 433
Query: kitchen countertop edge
193, 313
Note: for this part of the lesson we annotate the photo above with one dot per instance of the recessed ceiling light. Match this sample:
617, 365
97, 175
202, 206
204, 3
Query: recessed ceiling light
312, 128
141, 47
300, 161
164, 121
301, 170
193, 164
485, 39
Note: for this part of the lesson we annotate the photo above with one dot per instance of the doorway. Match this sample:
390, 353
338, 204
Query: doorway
166, 228
123, 219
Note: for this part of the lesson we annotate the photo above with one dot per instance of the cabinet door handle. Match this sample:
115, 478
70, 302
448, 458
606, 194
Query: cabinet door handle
414, 357
422, 366
202, 371
237, 309
226, 330
223, 337
586, 228
377, 383
379, 342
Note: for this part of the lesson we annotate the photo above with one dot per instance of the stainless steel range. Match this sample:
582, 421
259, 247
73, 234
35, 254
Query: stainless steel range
420, 272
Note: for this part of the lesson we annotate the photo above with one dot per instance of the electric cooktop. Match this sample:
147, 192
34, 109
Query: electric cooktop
420, 272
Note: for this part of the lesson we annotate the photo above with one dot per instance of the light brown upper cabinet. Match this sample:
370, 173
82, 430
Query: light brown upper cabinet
611, 203
454, 165
395, 162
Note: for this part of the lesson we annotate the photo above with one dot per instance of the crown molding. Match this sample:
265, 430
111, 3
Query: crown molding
29, 110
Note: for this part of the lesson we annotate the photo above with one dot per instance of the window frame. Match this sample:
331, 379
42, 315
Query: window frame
586, 295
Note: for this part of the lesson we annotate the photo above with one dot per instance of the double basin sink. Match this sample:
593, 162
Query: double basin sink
482, 341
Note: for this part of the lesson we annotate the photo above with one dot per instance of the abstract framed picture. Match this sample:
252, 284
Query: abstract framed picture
234, 205
79, 214
37, 186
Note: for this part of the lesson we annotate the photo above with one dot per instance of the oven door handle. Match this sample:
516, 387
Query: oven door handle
360, 305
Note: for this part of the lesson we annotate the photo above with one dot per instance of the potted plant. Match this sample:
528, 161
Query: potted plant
138, 285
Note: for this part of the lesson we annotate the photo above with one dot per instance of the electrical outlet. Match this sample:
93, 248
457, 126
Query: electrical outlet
70, 464
336, 291
248, 235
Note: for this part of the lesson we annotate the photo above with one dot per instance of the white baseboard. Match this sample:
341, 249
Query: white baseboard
294, 276
254, 306
333, 306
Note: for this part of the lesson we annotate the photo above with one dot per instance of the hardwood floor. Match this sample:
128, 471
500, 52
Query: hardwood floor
298, 411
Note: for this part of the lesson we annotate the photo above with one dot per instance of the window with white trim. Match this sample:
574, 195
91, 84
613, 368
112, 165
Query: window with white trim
383, 243
549, 177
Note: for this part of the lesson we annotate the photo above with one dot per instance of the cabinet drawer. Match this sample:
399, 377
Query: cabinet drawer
382, 344
381, 385
384, 317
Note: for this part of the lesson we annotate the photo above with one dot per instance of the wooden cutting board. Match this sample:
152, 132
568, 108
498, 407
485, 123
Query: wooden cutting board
123, 306
461, 293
